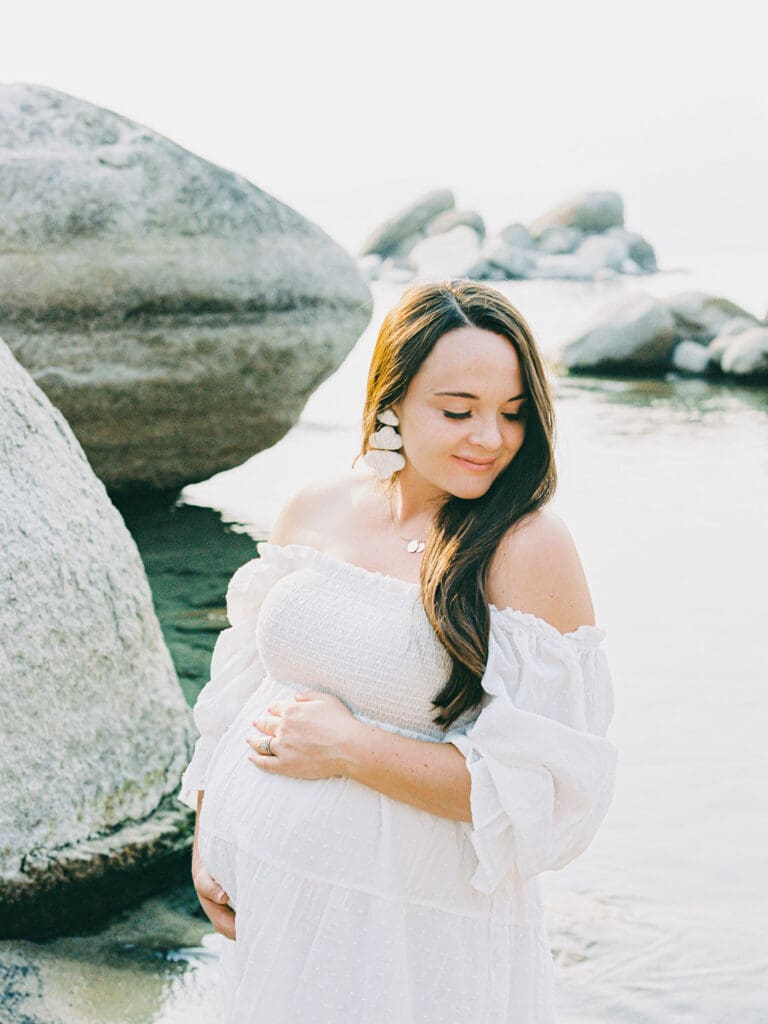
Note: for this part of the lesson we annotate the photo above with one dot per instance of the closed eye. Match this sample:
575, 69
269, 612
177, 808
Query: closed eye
466, 415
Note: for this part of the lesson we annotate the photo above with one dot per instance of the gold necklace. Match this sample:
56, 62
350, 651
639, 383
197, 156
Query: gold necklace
413, 545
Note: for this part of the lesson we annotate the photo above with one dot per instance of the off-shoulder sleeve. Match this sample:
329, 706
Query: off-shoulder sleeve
236, 668
542, 771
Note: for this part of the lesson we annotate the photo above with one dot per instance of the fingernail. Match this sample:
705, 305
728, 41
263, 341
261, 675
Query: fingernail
221, 895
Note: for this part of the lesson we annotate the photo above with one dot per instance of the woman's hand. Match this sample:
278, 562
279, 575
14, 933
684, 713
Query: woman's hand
309, 736
213, 900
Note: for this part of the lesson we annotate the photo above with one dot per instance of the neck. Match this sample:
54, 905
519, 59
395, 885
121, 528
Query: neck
414, 502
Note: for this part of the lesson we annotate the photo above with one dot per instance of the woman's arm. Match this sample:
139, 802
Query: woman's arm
316, 737
431, 776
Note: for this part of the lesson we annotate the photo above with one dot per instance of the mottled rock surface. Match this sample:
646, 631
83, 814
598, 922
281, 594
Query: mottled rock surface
94, 730
176, 314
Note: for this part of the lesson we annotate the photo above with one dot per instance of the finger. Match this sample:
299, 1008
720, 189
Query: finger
277, 707
208, 888
222, 918
267, 724
257, 740
307, 694
266, 762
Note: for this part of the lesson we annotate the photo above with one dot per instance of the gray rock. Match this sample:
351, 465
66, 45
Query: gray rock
94, 730
690, 357
517, 235
453, 218
448, 255
369, 266
404, 247
176, 314
630, 267
397, 270
747, 354
640, 250
589, 211
512, 260
560, 240
735, 326
597, 252
411, 220
700, 316
566, 267
485, 271
630, 336
719, 344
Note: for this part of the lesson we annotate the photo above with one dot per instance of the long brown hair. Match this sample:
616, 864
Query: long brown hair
465, 532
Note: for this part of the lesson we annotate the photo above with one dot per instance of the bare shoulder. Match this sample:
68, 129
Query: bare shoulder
537, 569
317, 511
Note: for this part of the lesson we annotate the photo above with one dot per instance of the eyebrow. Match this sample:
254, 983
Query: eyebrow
466, 394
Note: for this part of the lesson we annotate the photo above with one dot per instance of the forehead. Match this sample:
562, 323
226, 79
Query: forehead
471, 355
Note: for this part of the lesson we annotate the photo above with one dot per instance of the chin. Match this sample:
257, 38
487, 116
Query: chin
469, 489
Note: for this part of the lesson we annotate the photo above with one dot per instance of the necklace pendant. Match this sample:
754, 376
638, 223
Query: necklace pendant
415, 546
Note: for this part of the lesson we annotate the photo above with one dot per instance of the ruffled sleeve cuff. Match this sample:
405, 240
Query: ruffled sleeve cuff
236, 668
193, 778
542, 775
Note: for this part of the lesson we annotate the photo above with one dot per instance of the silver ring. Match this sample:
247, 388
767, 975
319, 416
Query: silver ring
265, 746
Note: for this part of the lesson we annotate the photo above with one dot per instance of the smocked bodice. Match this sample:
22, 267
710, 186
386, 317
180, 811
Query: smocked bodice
359, 635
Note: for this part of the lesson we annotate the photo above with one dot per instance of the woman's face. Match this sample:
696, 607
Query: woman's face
461, 419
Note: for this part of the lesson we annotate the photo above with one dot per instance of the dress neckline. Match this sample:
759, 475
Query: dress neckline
592, 635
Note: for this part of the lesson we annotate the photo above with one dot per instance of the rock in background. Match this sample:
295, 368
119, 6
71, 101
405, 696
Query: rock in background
691, 333
582, 239
177, 315
94, 730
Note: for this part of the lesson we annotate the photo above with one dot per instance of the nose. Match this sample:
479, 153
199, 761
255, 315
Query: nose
485, 433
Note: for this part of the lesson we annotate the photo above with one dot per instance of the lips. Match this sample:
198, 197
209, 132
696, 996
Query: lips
475, 463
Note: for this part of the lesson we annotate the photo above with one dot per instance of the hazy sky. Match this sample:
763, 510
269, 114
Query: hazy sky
347, 109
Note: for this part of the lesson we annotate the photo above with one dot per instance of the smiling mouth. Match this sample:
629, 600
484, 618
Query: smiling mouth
475, 463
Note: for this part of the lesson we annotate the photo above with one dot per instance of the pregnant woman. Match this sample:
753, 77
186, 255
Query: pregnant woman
405, 723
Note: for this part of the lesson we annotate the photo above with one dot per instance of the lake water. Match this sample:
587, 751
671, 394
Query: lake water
665, 489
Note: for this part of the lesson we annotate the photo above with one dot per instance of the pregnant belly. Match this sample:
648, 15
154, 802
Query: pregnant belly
333, 829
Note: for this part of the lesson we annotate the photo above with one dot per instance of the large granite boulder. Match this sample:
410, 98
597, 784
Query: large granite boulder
588, 211
399, 233
177, 315
634, 335
94, 730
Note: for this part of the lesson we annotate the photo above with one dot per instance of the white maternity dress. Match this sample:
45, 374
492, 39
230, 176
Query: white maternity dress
353, 907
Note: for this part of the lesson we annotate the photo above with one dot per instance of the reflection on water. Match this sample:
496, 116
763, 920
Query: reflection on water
156, 963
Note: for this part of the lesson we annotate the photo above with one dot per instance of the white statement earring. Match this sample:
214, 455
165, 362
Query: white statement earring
384, 456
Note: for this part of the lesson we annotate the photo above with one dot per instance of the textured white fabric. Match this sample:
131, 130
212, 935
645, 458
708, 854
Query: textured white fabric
352, 906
